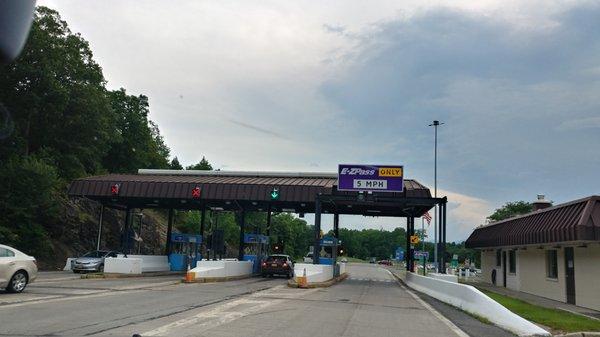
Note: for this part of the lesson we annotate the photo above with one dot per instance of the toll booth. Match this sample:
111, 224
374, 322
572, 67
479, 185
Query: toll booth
329, 247
185, 249
255, 249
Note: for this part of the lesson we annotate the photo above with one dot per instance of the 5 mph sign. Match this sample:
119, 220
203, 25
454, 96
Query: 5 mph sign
380, 178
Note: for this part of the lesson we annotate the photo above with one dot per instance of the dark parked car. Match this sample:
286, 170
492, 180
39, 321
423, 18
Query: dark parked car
278, 265
385, 262
372, 260
92, 261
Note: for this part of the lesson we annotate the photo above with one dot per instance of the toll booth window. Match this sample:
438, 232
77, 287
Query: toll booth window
512, 261
551, 264
498, 257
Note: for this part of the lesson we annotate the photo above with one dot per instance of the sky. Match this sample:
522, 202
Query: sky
308, 85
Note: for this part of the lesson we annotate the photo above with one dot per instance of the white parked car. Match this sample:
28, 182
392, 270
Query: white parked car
17, 269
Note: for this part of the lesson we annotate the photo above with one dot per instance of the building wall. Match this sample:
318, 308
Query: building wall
488, 263
513, 280
532, 274
587, 276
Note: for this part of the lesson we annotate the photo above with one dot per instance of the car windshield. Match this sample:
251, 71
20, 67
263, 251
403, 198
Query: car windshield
370, 141
95, 254
276, 258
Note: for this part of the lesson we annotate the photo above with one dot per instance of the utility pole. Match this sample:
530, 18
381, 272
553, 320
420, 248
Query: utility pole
435, 125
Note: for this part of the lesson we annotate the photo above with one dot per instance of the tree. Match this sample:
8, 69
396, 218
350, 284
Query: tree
203, 165
139, 143
511, 209
55, 94
175, 165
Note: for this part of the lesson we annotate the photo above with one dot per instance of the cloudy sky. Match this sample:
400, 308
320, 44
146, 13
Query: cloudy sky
305, 85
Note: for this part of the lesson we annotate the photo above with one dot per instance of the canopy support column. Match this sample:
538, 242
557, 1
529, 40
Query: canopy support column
317, 237
100, 227
241, 217
336, 225
169, 231
411, 251
443, 220
441, 243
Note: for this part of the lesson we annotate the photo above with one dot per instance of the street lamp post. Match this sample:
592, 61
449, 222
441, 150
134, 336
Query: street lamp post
435, 125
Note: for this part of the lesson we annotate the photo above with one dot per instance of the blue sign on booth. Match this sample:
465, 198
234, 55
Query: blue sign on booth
399, 254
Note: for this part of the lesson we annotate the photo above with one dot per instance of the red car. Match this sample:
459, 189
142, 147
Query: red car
277, 265
385, 262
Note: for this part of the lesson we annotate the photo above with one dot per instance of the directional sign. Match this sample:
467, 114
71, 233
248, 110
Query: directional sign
275, 194
421, 253
380, 178
414, 239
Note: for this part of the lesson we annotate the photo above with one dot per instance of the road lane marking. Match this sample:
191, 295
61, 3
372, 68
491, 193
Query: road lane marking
222, 315
111, 292
436, 313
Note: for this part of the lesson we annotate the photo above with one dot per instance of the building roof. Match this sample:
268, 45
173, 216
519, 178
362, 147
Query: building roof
171, 188
575, 221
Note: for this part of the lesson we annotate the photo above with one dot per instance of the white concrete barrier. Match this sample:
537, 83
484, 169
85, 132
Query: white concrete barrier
222, 268
445, 277
342, 268
314, 272
469, 299
151, 263
120, 265
69, 264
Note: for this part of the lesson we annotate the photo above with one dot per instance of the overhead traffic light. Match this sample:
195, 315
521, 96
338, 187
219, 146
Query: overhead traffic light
277, 248
275, 194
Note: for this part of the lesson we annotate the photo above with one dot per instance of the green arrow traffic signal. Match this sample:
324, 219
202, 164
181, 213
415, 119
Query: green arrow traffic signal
275, 194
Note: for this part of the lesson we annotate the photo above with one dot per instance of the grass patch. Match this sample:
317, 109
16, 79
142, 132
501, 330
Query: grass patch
554, 318
352, 259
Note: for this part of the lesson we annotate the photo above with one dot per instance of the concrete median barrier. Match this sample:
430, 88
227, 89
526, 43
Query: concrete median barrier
151, 263
221, 269
471, 300
119, 265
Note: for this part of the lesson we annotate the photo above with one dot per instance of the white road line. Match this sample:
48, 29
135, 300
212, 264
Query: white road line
220, 315
436, 313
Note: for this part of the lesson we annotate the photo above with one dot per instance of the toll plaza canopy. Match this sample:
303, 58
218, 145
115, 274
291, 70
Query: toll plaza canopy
294, 192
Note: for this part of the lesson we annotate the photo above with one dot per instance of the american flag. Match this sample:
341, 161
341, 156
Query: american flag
427, 218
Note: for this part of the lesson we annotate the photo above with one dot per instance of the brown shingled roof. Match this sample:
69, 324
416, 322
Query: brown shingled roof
578, 220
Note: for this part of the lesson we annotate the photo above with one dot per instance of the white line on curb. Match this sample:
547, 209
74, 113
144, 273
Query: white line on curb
436, 313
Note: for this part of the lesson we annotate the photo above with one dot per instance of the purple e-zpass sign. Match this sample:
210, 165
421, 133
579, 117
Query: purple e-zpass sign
381, 178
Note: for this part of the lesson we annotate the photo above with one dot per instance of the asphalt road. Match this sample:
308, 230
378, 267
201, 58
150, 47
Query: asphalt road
369, 303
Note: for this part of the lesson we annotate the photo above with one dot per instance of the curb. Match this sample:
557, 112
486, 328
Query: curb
115, 275
216, 279
580, 334
326, 284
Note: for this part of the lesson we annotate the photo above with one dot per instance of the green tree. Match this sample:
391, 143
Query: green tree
203, 165
139, 143
175, 165
55, 94
511, 209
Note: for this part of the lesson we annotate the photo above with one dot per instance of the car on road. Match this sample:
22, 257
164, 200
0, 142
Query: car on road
385, 262
372, 260
277, 264
92, 261
17, 269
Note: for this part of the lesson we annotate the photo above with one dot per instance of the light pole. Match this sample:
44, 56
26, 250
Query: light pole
435, 125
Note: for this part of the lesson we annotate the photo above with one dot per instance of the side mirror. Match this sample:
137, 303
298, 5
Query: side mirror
15, 22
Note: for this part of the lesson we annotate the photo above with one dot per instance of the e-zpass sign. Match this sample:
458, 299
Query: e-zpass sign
381, 178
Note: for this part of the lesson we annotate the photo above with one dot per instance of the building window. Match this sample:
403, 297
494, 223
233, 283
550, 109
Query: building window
512, 261
552, 264
498, 257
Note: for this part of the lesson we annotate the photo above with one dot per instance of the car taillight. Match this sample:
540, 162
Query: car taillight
264, 264
284, 265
